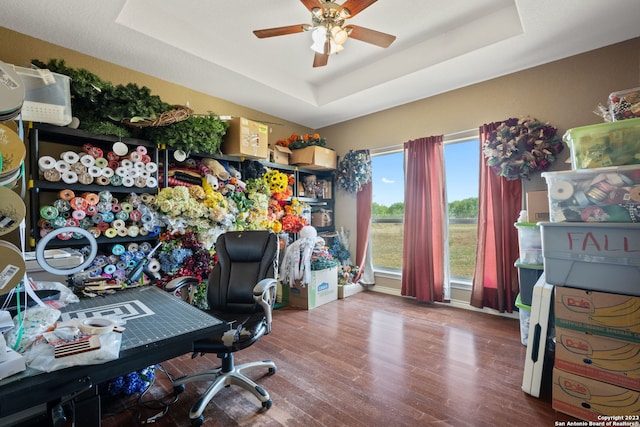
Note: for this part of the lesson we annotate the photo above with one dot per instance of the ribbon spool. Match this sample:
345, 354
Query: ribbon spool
561, 190
46, 163
97, 325
12, 210
70, 157
12, 266
87, 160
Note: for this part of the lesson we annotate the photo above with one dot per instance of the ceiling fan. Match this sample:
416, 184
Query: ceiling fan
328, 28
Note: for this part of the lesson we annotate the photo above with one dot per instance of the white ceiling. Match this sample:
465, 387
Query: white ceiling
209, 46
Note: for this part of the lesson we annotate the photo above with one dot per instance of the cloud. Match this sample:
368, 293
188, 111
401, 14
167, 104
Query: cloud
387, 181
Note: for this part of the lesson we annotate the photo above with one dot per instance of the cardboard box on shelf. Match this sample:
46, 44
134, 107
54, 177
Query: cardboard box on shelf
280, 154
538, 206
599, 313
322, 289
314, 157
246, 138
592, 400
604, 359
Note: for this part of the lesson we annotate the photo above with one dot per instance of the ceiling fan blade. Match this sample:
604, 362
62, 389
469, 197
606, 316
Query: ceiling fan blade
320, 60
370, 36
310, 4
356, 6
279, 31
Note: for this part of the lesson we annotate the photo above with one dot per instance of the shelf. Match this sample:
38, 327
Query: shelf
65, 135
95, 188
57, 243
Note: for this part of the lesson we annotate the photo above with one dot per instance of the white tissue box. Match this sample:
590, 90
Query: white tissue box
13, 364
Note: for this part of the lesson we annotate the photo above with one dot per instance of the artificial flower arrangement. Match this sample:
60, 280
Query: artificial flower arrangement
132, 383
293, 221
296, 141
347, 273
184, 255
279, 184
354, 171
520, 147
321, 258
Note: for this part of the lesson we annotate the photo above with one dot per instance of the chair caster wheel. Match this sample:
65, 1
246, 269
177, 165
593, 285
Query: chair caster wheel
197, 422
178, 389
267, 404
272, 371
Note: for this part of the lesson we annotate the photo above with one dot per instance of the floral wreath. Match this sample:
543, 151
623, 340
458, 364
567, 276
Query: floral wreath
519, 147
354, 170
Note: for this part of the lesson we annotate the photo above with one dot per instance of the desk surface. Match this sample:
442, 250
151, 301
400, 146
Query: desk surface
158, 325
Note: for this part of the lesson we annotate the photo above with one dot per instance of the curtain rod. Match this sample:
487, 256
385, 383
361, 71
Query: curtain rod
448, 138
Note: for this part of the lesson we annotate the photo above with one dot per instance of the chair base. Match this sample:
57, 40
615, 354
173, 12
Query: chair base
227, 375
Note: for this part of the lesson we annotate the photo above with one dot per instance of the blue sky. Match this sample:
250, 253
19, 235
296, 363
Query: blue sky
461, 163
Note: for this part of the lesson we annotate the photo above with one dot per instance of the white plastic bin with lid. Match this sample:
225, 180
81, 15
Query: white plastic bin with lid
47, 96
529, 243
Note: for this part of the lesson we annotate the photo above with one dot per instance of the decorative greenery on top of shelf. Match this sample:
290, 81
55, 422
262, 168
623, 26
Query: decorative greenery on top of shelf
100, 105
199, 134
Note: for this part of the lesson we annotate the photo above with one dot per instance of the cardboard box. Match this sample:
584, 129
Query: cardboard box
345, 291
538, 206
600, 313
314, 157
322, 289
246, 138
280, 155
604, 359
597, 256
592, 400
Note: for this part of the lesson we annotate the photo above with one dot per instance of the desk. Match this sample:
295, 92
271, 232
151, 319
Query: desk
159, 327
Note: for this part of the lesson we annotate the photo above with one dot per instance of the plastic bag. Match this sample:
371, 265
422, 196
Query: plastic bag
35, 321
41, 355
66, 295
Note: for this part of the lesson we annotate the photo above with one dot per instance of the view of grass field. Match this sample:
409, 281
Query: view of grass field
387, 247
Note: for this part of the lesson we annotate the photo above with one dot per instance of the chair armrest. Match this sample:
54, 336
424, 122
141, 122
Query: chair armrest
180, 282
264, 294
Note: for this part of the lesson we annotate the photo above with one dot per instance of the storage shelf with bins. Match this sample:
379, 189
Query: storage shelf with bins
52, 141
319, 195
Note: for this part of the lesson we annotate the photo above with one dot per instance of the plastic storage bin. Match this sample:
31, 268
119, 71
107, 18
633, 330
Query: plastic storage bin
625, 104
600, 257
528, 275
524, 312
47, 96
604, 144
529, 243
595, 195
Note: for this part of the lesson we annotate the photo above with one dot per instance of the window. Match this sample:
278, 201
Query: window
461, 160
461, 157
387, 210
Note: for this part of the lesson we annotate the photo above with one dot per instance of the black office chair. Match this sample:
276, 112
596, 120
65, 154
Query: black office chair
241, 291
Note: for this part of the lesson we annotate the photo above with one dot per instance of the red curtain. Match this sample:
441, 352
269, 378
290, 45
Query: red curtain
495, 280
424, 200
364, 199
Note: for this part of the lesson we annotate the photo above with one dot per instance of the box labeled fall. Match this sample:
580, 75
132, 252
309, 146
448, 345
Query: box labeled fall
598, 256
609, 360
314, 157
246, 138
592, 400
322, 289
600, 313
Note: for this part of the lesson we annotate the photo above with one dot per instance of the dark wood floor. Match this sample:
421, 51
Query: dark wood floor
369, 360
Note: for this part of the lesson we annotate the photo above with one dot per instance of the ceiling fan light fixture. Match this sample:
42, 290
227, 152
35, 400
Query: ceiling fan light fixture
339, 35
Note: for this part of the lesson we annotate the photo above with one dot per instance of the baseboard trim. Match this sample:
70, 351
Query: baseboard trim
452, 303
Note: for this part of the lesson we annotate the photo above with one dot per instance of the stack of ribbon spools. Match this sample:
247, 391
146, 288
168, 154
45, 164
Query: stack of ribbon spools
117, 167
120, 259
101, 214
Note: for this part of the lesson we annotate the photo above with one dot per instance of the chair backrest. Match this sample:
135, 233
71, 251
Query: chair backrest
244, 258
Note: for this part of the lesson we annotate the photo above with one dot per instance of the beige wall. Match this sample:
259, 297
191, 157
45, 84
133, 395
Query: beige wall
565, 93
19, 49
